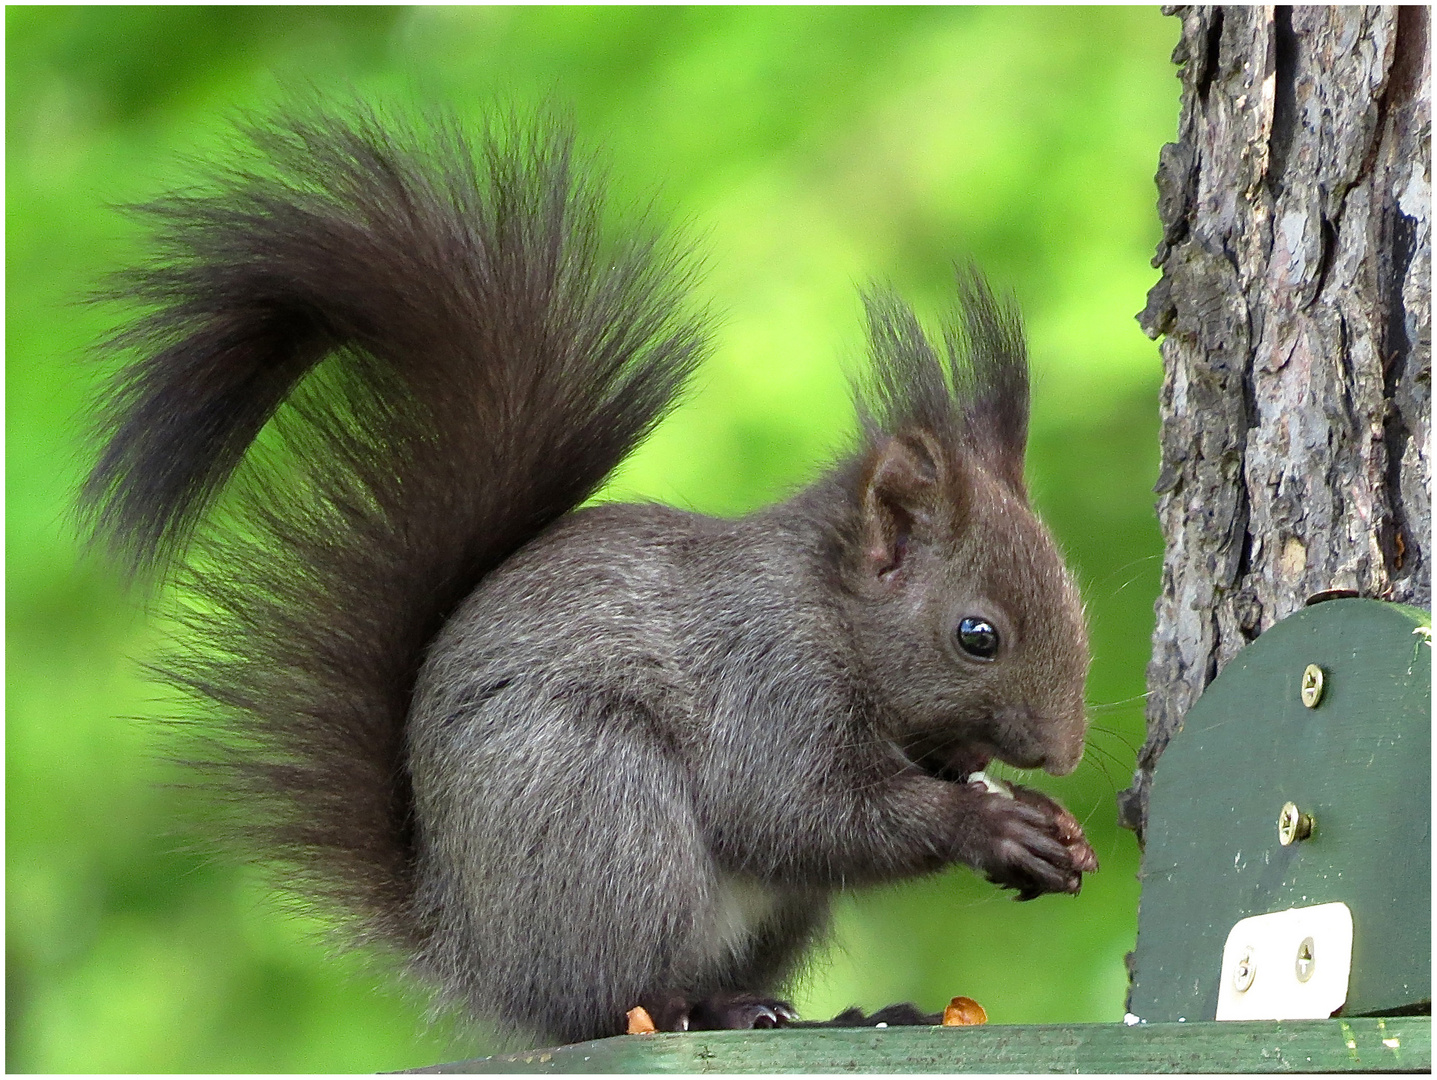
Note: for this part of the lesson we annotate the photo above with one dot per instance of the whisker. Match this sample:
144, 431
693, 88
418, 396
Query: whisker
1098, 706
1098, 586
1113, 733
1102, 766
1110, 756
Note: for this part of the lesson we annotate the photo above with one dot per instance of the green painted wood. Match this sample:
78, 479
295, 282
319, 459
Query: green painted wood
1360, 763
1394, 1044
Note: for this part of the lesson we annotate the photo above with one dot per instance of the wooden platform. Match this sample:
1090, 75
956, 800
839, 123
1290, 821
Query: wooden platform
1393, 1044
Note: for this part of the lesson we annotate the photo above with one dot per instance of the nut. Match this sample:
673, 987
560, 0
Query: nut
963, 1012
640, 1022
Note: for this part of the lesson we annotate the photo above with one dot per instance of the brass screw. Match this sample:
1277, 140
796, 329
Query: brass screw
1245, 972
1305, 962
1293, 824
1312, 686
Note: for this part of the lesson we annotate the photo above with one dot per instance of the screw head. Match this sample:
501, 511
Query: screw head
1305, 962
1293, 825
1245, 971
1312, 686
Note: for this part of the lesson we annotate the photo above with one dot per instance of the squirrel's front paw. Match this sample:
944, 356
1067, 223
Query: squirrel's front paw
1033, 844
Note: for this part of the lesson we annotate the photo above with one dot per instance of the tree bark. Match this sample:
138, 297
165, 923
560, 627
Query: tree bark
1295, 312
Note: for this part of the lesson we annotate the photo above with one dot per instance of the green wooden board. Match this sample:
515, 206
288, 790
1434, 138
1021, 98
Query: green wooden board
1394, 1044
1360, 763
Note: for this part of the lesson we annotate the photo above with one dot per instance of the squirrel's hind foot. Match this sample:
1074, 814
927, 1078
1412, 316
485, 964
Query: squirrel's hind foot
721, 1012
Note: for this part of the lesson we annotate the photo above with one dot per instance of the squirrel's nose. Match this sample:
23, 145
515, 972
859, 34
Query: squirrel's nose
1067, 749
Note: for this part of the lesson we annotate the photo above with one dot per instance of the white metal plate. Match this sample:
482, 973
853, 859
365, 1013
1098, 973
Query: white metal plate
1287, 965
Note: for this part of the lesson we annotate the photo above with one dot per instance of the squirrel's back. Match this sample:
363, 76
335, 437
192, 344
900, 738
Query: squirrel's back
452, 355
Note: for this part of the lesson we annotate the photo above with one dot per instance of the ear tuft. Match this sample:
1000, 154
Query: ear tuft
993, 384
973, 401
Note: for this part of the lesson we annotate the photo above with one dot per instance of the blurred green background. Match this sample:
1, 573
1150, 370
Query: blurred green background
814, 149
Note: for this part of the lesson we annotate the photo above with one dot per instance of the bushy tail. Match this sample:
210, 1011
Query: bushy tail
487, 360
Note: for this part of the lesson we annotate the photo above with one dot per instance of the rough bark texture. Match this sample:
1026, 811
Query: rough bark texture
1295, 308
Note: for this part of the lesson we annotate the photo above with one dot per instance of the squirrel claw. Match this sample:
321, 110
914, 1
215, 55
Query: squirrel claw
1041, 848
732, 1012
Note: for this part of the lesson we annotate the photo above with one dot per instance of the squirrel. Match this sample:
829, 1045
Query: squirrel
568, 759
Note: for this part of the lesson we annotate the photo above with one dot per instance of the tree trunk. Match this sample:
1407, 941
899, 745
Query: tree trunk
1295, 307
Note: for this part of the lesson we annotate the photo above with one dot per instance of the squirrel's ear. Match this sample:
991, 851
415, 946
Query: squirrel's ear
902, 491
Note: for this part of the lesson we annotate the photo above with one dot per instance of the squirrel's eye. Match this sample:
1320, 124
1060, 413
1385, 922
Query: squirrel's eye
978, 637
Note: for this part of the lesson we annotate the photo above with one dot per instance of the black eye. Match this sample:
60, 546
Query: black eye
978, 637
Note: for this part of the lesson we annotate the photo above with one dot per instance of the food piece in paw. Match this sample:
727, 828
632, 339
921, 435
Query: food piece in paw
640, 1022
964, 1011
990, 785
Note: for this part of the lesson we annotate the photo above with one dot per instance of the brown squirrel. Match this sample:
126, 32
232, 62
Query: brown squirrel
570, 761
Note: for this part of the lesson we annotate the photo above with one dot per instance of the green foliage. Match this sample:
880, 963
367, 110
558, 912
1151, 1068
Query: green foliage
813, 149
